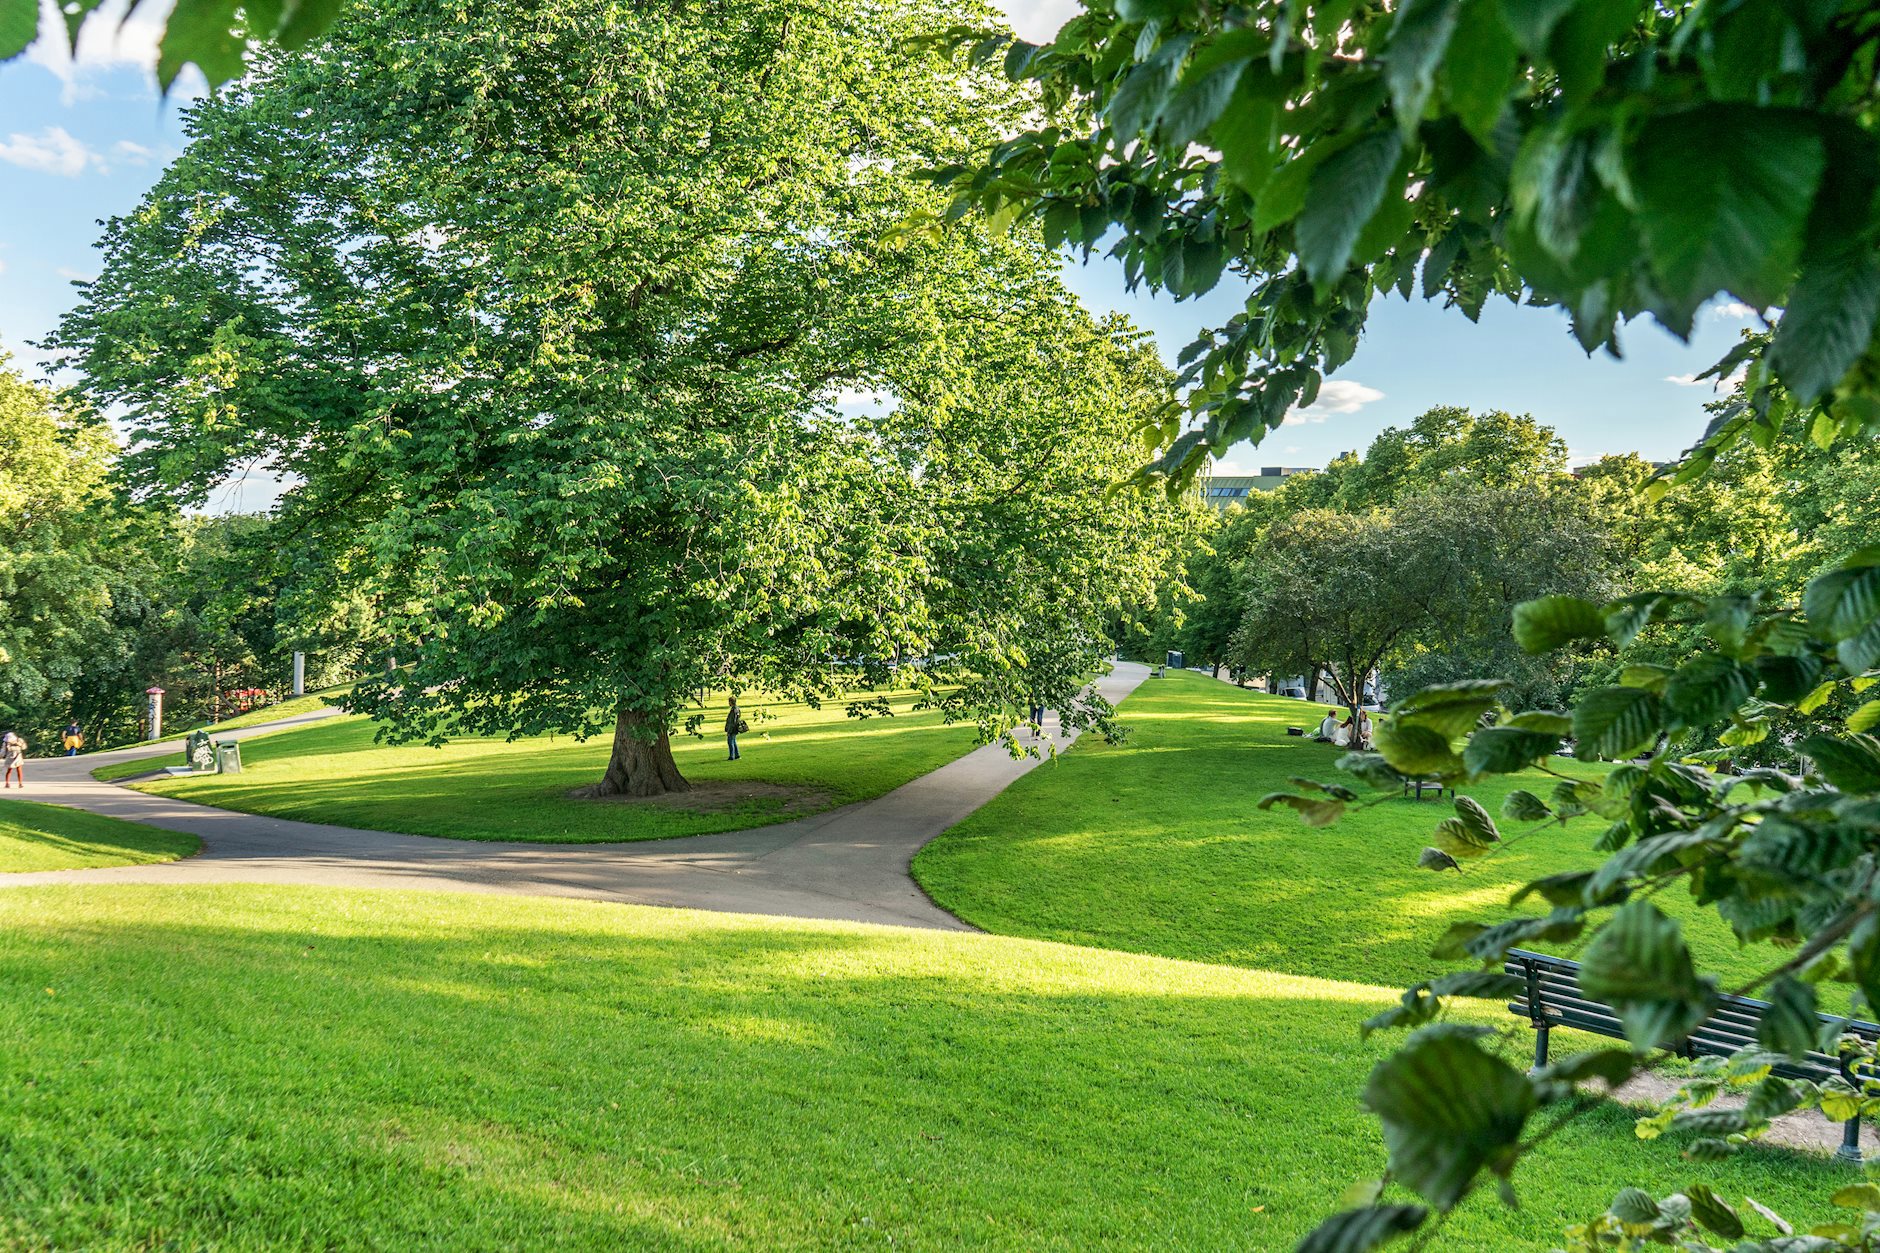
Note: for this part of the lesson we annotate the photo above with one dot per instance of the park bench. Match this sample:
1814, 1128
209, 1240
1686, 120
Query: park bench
1551, 997
1416, 788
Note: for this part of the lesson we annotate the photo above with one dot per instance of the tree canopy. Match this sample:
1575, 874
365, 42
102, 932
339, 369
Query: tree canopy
549, 313
1611, 159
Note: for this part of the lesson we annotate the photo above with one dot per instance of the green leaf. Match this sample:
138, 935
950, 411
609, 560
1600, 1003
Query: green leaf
1634, 1205
202, 33
1789, 1026
1450, 1110
1521, 805
1197, 103
1506, 750
1480, 67
1544, 721
1862, 1196
1615, 722
1532, 21
1611, 1066
1581, 46
1414, 749
19, 22
1284, 193
1451, 709
1707, 689
1418, 38
1485, 985
1540, 626
1358, 1230
1437, 859
1648, 675
1851, 764
1788, 679
1712, 1213
1844, 601
1640, 965
1828, 322
1470, 833
1725, 217
1866, 718
1246, 137
1343, 194
1314, 811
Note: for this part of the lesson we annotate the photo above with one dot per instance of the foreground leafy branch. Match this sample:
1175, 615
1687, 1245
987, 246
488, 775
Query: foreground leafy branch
1611, 159
1786, 856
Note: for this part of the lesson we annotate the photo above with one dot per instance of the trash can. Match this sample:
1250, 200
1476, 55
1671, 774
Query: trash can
228, 757
1176, 661
197, 753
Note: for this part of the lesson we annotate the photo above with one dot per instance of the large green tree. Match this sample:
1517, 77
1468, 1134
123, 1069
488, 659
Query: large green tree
73, 578
548, 305
1612, 158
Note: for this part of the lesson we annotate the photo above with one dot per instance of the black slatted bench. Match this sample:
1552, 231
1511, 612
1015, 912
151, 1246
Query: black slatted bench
1551, 997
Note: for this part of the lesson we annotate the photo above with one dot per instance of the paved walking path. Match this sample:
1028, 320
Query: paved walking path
849, 863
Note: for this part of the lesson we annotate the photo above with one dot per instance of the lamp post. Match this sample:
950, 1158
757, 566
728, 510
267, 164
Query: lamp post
154, 714
300, 674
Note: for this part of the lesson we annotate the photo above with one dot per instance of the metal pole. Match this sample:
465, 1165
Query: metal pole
300, 674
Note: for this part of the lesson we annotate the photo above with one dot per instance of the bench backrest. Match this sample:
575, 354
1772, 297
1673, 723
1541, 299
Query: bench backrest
1551, 995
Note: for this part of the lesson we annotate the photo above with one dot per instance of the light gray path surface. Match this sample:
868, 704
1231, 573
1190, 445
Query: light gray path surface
850, 863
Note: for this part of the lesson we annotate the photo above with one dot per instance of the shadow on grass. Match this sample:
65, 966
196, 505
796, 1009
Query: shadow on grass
255, 1066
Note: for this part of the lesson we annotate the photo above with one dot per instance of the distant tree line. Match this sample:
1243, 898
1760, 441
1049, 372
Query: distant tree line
1412, 557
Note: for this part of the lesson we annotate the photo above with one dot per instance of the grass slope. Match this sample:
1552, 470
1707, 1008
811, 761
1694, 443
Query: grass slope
1156, 846
250, 1067
51, 837
486, 789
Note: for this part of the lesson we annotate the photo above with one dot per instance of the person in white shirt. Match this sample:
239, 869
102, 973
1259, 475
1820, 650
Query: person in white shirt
1328, 729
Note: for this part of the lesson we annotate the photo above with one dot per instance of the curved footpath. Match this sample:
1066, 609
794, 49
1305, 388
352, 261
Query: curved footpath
850, 863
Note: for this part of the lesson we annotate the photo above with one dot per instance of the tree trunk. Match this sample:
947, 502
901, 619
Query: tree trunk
638, 766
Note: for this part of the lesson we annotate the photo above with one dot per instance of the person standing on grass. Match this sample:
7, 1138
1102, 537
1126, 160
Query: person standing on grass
74, 738
13, 758
734, 727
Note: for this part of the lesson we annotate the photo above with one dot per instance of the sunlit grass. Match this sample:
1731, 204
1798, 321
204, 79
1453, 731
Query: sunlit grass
51, 837
249, 1067
1158, 846
489, 789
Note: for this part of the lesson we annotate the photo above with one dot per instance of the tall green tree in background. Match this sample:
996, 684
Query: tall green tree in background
548, 306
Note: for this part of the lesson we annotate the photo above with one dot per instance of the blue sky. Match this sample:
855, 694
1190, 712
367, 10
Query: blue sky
81, 141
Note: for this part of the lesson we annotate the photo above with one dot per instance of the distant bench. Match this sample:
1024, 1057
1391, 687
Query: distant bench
1551, 997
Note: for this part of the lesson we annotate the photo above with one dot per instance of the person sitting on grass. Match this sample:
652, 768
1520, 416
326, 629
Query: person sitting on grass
1328, 729
13, 758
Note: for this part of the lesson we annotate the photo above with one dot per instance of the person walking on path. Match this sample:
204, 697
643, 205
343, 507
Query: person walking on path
1037, 716
13, 758
734, 727
74, 738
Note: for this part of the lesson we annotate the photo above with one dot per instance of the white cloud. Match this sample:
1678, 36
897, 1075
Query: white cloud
52, 151
1038, 20
1735, 311
1335, 396
125, 152
1691, 380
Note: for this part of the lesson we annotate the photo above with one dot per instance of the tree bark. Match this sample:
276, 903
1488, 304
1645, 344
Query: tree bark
639, 766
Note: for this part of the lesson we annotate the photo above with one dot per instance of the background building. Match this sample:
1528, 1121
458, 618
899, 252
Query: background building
1222, 490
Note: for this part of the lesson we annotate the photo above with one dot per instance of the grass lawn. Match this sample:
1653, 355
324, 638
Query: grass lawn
51, 837
285, 709
250, 1067
1155, 846
796, 761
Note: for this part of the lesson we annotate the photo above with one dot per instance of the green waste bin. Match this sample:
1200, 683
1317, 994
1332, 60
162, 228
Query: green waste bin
228, 757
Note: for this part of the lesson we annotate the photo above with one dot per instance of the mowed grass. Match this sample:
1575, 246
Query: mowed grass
1157, 846
51, 837
256, 1067
489, 789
